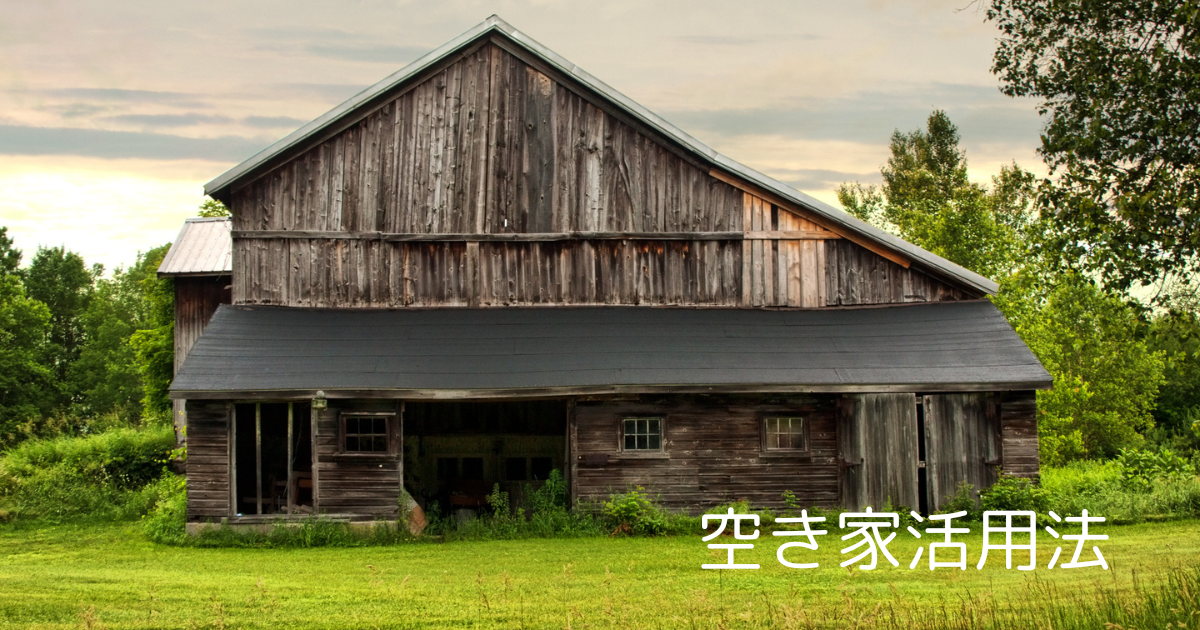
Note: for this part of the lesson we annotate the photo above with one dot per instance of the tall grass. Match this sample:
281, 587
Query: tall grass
1100, 488
109, 476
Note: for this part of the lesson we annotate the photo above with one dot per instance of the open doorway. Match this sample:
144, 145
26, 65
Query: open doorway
456, 452
273, 458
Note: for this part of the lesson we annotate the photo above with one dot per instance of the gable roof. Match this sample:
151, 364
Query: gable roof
494, 26
448, 353
204, 247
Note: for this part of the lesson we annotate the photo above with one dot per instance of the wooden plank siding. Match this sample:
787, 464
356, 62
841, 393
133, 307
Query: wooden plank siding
208, 463
962, 444
878, 443
490, 148
356, 483
1019, 434
713, 452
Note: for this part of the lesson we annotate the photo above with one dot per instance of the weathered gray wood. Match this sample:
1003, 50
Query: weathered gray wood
855, 276
878, 443
962, 444
209, 472
1019, 434
713, 454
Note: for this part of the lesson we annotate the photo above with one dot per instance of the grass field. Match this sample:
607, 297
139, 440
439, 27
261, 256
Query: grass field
109, 576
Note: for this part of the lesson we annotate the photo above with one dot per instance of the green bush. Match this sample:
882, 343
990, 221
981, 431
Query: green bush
109, 476
1100, 487
166, 522
634, 513
1014, 493
1141, 468
963, 501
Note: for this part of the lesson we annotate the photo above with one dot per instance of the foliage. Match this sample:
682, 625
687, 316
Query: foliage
1119, 82
10, 256
1176, 334
1014, 493
166, 522
27, 383
59, 279
964, 500
1141, 469
154, 345
634, 513
213, 208
927, 200
1105, 379
1100, 488
100, 477
106, 375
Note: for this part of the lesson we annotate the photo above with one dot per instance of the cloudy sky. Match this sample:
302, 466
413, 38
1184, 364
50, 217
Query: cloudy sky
114, 115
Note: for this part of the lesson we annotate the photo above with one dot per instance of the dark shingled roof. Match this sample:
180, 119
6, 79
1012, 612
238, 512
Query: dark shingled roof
497, 352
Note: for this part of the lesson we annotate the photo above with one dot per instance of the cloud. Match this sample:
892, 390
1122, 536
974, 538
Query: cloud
373, 53
18, 140
981, 114
169, 120
121, 95
272, 122
820, 179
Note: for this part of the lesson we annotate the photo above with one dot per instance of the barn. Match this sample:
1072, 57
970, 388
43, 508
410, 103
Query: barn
491, 265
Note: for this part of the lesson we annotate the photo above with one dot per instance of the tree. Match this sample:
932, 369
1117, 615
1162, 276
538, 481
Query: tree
1119, 81
26, 383
60, 280
106, 375
1106, 379
154, 342
10, 257
213, 208
1176, 334
926, 199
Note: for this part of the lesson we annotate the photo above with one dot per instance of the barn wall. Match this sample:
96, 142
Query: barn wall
534, 195
196, 299
356, 484
1019, 434
878, 445
208, 461
713, 452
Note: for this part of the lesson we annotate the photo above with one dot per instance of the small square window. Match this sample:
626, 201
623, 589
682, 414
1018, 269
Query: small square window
785, 434
364, 434
540, 468
642, 434
514, 469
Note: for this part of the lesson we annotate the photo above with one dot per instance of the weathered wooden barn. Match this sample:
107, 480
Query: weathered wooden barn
491, 265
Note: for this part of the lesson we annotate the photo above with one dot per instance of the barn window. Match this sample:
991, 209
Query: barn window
642, 434
365, 433
785, 434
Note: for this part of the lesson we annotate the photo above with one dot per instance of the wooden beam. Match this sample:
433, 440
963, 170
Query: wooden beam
399, 237
791, 206
258, 455
291, 499
792, 235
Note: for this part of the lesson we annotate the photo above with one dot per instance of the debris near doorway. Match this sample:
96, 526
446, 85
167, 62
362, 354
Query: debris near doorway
411, 514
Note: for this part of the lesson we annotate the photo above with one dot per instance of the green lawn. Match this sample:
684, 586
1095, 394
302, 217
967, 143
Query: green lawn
110, 576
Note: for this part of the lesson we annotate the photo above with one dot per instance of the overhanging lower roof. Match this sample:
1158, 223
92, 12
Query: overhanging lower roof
204, 247
265, 352
256, 165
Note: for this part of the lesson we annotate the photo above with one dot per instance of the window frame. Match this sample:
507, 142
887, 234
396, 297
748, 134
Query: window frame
661, 451
764, 428
389, 433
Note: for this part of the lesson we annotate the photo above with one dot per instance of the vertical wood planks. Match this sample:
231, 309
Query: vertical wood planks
962, 434
878, 439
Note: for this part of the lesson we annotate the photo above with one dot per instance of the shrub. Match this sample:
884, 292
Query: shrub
1140, 468
963, 501
1014, 493
108, 476
633, 512
166, 523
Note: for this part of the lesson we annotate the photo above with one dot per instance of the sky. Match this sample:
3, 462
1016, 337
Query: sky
113, 116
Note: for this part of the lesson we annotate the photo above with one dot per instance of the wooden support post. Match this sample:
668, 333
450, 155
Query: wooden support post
316, 482
291, 499
258, 454
233, 486
572, 454
400, 450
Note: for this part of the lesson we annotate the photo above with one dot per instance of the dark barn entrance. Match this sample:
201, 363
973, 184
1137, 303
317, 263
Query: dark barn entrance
454, 452
273, 458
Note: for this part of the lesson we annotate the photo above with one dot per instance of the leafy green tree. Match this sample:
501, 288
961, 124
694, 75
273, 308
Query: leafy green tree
1176, 334
926, 199
10, 257
107, 375
59, 279
27, 387
1119, 84
213, 208
154, 343
1106, 379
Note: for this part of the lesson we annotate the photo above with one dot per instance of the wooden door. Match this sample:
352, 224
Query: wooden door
962, 443
878, 443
